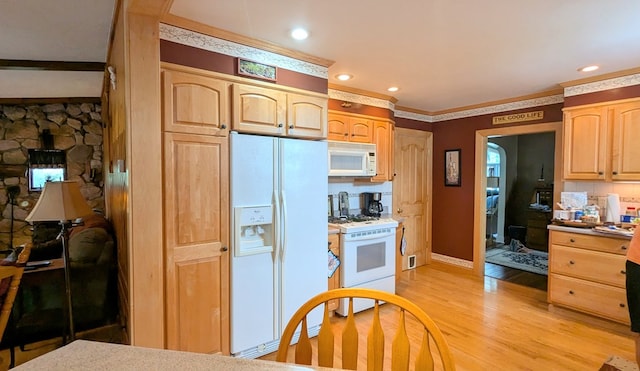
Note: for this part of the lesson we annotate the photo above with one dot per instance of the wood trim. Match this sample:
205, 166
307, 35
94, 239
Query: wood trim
152, 8
238, 79
600, 104
546, 93
413, 110
479, 198
606, 76
188, 24
366, 93
50, 100
25, 64
358, 115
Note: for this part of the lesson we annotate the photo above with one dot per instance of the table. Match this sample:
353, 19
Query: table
92, 355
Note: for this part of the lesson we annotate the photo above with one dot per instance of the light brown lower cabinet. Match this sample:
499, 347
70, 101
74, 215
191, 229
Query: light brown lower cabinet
587, 273
334, 281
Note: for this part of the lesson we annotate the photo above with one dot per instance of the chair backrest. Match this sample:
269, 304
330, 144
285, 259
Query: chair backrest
426, 358
12, 274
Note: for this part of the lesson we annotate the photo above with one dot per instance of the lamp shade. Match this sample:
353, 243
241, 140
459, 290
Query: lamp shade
59, 201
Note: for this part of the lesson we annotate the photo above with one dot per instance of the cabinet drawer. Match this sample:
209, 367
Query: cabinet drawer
592, 265
605, 244
595, 298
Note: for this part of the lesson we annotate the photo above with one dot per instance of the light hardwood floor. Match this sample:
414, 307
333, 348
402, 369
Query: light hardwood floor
496, 325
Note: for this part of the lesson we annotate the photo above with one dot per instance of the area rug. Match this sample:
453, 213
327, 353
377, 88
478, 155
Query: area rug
532, 261
615, 363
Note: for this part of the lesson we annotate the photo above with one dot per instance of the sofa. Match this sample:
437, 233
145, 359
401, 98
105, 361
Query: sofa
39, 311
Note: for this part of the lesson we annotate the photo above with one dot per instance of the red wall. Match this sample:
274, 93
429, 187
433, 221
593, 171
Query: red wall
452, 214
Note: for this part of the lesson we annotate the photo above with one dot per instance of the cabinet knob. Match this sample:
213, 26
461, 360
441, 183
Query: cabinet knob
623, 247
399, 211
329, 243
345, 134
223, 126
614, 172
290, 126
280, 125
571, 292
224, 249
572, 240
571, 262
622, 305
623, 272
600, 173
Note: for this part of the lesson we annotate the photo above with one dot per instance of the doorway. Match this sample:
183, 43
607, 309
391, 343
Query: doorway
482, 140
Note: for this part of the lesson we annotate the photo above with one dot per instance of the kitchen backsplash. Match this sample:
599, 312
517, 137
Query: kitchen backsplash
354, 190
597, 193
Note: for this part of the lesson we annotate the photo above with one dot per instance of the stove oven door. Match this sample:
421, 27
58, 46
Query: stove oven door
367, 256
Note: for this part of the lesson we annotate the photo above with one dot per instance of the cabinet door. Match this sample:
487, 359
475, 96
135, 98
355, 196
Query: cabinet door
383, 138
626, 136
338, 127
258, 110
194, 104
585, 143
196, 202
360, 130
306, 116
334, 281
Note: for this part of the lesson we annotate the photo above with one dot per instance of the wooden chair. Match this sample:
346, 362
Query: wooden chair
13, 273
400, 357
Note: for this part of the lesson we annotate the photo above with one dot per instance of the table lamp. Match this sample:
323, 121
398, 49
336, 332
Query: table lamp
61, 202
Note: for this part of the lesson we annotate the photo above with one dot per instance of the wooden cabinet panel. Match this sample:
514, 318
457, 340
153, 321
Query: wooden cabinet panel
587, 273
383, 138
591, 265
626, 136
338, 127
585, 143
348, 128
360, 130
258, 110
600, 142
591, 297
306, 116
334, 281
195, 104
196, 206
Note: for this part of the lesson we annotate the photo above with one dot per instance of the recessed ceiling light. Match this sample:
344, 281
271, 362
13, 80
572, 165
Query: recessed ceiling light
299, 33
588, 68
393, 88
344, 77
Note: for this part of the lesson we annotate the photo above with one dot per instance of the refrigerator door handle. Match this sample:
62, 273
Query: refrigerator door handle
284, 225
277, 225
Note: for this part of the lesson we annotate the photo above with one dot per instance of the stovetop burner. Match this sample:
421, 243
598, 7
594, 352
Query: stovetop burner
358, 223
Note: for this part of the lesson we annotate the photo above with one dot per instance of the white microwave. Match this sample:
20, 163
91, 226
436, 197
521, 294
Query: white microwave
351, 159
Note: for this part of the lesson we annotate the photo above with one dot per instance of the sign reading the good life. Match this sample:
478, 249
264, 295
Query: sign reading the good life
518, 117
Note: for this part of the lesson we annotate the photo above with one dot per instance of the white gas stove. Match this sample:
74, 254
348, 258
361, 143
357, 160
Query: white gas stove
360, 224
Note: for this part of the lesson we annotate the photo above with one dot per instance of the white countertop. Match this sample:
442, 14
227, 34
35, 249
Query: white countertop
588, 231
91, 355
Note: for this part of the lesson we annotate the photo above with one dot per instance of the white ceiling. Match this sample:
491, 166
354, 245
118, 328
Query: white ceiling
442, 54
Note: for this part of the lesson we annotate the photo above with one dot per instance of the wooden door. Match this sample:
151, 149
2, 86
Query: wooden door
383, 139
194, 104
259, 110
585, 143
625, 150
306, 116
412, 191
196, 203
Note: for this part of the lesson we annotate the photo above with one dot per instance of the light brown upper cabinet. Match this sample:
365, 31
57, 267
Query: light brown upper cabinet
267, 111
350, 128
195, 104
600, 142
365, 129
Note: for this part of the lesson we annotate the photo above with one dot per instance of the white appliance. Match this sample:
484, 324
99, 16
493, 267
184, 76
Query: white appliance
279, 240
351, 159
368, 256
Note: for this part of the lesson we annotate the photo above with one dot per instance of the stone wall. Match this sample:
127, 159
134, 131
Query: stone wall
76, 129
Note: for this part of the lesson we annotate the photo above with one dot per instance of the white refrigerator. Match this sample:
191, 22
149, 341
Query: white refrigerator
279, 241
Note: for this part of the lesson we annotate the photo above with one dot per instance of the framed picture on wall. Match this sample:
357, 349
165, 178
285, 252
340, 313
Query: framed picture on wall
452, 172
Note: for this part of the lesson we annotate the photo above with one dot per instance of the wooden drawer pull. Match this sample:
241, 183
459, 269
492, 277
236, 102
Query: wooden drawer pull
622, 305
623, 272
623, 247
571, 262
571, 292
572, 240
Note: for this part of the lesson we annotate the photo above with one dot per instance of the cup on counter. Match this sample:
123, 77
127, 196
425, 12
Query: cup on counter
561, 214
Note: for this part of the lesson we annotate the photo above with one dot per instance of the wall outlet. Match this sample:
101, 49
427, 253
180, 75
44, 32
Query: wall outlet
411, 262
